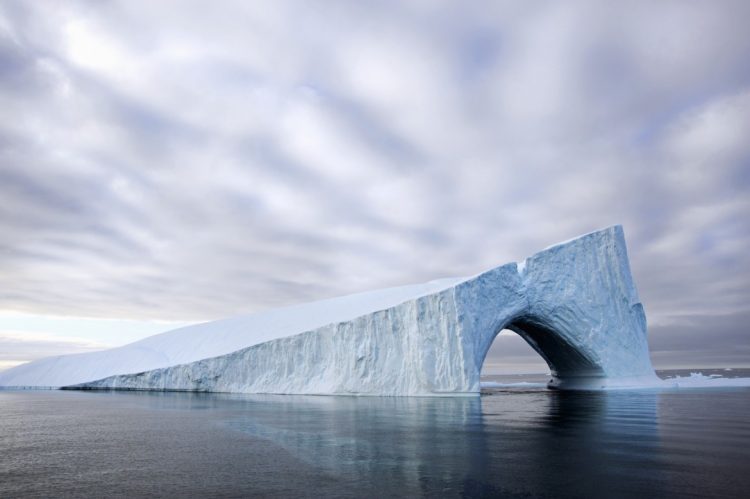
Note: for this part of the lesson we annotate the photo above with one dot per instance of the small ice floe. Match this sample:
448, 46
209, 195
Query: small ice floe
698, 380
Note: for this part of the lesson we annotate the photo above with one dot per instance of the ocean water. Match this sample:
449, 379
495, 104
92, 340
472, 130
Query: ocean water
519, 440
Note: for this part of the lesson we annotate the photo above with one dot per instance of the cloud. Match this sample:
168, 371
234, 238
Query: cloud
187, 162
17, 347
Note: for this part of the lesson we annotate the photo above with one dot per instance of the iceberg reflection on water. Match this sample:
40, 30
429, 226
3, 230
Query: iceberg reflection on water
520, 442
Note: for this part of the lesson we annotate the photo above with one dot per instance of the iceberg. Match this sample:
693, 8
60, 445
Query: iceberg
575, 303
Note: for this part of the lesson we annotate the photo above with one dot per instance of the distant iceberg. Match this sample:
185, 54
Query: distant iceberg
575, 303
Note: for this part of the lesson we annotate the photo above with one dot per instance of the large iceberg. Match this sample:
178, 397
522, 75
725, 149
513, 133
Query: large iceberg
575, 303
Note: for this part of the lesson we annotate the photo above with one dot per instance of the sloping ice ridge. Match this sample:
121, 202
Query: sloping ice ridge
210, 339
575, 303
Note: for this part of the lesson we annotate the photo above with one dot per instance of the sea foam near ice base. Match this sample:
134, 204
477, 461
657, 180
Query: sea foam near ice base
694, 380
698, 380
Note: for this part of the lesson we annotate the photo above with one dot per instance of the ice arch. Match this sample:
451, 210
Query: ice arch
574, 302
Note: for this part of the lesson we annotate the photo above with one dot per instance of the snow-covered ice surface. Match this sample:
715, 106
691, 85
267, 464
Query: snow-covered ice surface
574, 303
210, 339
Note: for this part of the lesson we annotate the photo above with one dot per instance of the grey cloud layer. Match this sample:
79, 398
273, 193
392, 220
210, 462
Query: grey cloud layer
186, 161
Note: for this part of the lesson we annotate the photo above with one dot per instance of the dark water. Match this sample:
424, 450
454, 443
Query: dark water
508, 443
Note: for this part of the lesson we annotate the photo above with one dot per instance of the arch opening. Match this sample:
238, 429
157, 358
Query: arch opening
555, 355
563, 358
510, 355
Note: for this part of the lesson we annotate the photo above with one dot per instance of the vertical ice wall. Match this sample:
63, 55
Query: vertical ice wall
580, 311
575, 303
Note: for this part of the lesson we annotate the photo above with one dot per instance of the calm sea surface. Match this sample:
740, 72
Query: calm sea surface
511, 442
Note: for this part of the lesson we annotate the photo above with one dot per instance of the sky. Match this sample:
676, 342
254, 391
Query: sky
165, 163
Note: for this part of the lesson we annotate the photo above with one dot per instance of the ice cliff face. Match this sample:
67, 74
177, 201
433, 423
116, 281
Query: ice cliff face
211, 339
575, 303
